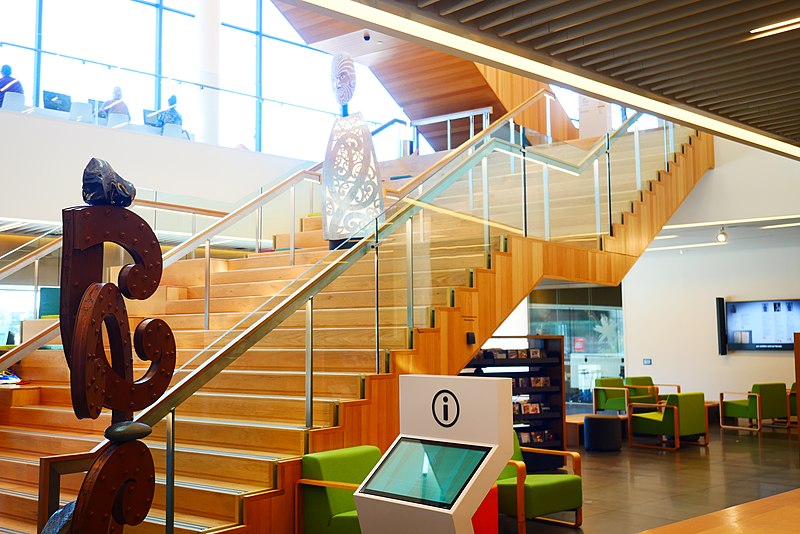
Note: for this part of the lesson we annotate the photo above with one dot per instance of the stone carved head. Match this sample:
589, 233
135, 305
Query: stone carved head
343, 76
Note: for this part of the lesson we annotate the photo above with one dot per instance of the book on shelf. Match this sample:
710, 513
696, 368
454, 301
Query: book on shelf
534, 353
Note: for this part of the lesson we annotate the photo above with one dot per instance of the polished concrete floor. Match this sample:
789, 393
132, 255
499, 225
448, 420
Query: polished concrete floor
638, 489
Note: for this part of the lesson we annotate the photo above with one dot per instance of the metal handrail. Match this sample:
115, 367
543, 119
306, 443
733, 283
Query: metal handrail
30, 257
452, 116
449, 158
223, 357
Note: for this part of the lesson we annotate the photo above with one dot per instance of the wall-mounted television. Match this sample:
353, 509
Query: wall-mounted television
760, 324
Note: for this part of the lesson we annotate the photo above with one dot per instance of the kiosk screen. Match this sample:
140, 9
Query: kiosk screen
433, 473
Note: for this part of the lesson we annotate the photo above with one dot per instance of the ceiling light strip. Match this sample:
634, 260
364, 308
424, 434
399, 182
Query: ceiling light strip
393, 24
681, 247
731, 222
776, 25
774, 32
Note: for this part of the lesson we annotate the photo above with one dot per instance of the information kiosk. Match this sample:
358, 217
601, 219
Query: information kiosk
455, 438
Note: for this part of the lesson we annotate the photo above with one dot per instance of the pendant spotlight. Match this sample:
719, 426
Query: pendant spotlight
722, 235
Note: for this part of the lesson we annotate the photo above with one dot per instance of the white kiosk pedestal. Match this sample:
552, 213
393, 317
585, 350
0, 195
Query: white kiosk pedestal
455, 438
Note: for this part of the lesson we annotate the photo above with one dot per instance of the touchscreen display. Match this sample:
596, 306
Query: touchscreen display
432, 473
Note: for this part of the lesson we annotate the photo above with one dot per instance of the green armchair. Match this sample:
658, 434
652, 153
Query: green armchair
534, 495
764, 401
330, 478
793, 404
681, 415
643, 385
612, 394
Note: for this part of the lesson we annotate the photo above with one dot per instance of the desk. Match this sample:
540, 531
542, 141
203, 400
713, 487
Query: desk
776, 515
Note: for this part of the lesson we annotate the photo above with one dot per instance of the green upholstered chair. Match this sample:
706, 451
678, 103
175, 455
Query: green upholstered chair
534, 495
643, 385
329, 479
681, 415
793, 403
612, 394
764, 401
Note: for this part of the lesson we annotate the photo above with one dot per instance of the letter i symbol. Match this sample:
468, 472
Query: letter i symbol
446, 410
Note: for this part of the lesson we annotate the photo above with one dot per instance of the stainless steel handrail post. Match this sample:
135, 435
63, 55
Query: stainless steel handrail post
637, 156
449, 138
608, 180
511, 136
259, 223
194, 231
207, 282
310, 363
596, 168
36, 288
169, 497
470, 184
377, 301
524, 175
410, 272
292, 227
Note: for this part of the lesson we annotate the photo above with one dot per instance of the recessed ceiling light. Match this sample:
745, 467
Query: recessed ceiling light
722, 235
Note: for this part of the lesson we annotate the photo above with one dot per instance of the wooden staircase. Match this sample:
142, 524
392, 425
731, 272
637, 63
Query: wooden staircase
238, 438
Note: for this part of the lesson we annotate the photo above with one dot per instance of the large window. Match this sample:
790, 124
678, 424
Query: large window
89, 47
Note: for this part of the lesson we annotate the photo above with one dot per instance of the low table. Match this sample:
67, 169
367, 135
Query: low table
574, 424
712, 410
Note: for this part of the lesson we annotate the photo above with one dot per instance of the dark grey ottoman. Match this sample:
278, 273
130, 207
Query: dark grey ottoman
602, 432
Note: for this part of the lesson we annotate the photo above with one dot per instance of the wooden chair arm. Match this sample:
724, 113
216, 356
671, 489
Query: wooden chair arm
624, 388
645, 405
327, 484
749, 393
676, 386
576, 457
521, 474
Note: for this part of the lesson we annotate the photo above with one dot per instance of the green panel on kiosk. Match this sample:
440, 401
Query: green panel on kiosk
426, 472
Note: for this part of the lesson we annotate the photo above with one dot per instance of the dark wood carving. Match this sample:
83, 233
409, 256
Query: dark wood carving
119, 488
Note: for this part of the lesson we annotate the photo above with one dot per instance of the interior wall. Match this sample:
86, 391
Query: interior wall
668, 296
43, 161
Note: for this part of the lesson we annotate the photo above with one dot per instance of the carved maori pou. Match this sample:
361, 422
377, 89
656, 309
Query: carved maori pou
118, 489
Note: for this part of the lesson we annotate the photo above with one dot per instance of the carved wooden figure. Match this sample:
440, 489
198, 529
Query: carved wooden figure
119, 488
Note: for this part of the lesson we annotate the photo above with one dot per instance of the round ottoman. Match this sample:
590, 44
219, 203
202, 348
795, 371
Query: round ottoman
602, 432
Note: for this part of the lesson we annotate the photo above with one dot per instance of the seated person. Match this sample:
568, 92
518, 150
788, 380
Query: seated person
8, 84
170, 115
115, 105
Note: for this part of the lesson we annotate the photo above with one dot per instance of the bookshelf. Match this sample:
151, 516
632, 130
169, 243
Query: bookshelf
538, 392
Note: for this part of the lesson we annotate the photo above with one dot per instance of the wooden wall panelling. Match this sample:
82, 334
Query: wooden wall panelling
513, 89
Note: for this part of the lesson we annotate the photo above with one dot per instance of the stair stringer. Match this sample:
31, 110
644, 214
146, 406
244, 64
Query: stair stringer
443, 348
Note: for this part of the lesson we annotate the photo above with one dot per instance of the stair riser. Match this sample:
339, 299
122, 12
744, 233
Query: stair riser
22, 507
289, 411
46, 445
328, 386
295, 338
264, 439
343, 283
355, 299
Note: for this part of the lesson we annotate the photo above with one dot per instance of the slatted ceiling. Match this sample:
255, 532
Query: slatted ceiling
693, 52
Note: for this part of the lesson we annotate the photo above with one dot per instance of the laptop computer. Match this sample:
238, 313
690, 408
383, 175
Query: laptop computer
151, 118
57, 101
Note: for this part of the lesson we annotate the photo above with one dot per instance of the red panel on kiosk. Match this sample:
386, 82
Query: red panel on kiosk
486, 518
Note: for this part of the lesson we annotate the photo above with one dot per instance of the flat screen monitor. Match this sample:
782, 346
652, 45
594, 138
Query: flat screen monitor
432, 473
150, 118
57, 101
762, 324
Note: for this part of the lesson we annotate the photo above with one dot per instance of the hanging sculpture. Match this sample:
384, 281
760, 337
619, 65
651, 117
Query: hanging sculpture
352, 194
119, 487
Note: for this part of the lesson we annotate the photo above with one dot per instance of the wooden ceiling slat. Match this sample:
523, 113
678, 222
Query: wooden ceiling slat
639, 32
650, 14
734, 55
486, 8
732, 80
680, 76
454, 7
545, 12
756, 86
776, 95
764, 111
673, 38
775, 122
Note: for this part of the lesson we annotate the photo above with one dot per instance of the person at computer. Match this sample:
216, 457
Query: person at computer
170, 114
8, 84
115, 105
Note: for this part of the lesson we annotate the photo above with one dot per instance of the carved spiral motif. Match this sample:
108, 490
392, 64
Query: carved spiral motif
117, 491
